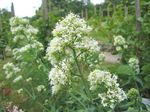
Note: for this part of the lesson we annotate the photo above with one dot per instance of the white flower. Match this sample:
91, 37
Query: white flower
134, 64
18, 37
119, 40
40, 88
70, 40
25, 37
19, 91
120, 43
71, 33
31, 30
71, 25
88, 44
29, 79
13, 108
58, 77
55, 46
118, 48
125, 46
101, 56
113, 94
10, 69
15, 21
19, 53
8, 49
18, 79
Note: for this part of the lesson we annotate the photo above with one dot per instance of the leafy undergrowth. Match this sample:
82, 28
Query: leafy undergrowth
9, 94
100, 31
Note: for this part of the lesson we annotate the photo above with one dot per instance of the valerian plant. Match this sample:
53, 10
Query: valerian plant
76, 58
27, 67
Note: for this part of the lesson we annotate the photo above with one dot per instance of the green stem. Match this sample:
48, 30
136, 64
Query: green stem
43, 106
81, 74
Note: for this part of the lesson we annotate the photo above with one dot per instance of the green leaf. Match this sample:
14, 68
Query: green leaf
77, 99
146, 69
137, 79
147, 81
125, 70
140, 19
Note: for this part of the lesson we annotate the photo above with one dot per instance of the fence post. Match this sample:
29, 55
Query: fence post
45, 9
12, 10
138, 14
0, 25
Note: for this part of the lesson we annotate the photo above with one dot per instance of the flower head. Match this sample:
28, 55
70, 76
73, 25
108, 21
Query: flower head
134, 64
120, 43
112, 93
10, 70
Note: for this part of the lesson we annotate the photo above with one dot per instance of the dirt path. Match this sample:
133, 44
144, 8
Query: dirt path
112, 58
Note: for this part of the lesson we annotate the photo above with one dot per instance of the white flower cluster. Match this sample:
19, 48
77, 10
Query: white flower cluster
134, 64
71, 31
26, 47
25, 36
8, 49
29, 79
40, 88
15, 21
10, 70
13, 108
120, 43
55, 46
19, 91
19, 53
87, 44
22, 25
71, 27
18, 78
111, 93
58, 77
70, 38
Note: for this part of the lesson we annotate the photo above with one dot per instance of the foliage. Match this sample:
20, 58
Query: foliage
4, 30
26, 64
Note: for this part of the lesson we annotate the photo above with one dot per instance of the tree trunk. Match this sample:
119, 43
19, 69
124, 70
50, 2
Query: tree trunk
12, 10
138, 14
45, 9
